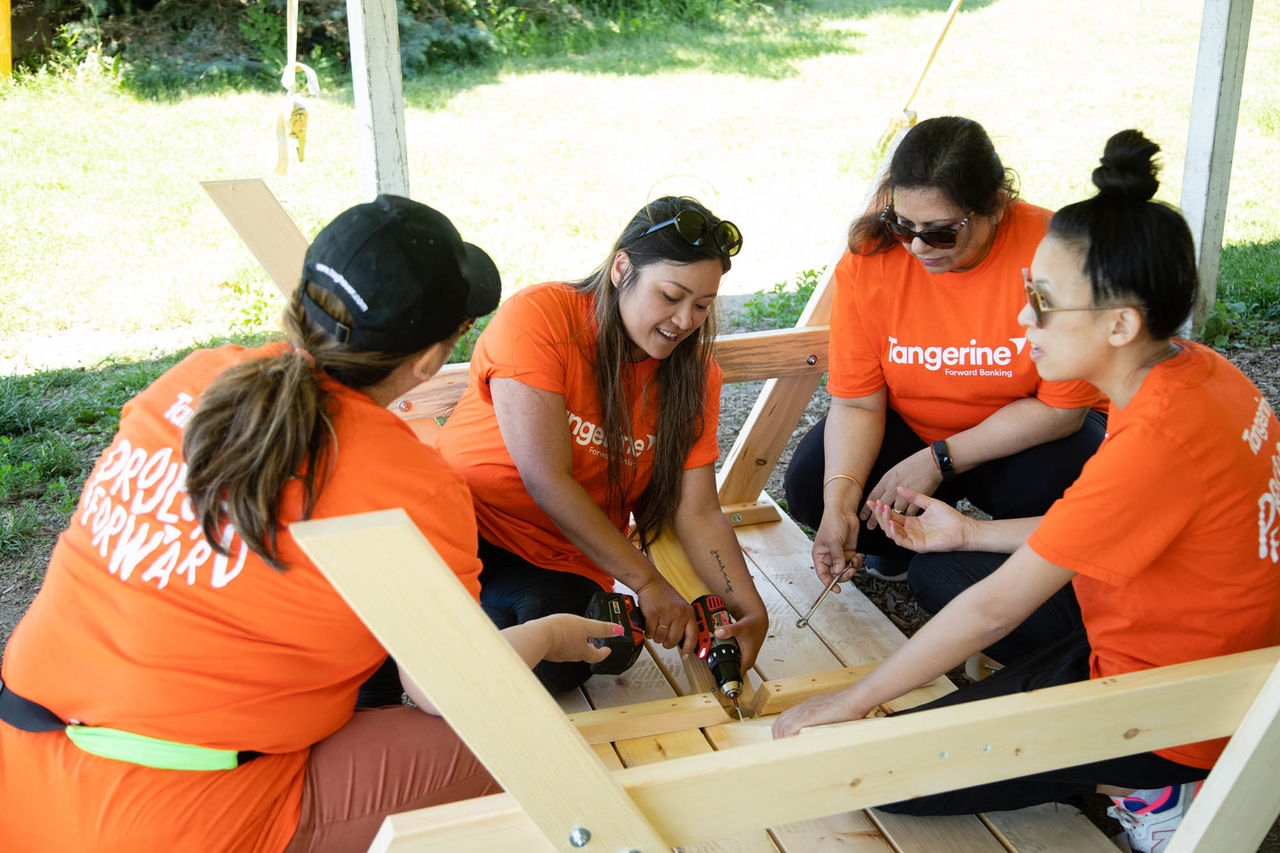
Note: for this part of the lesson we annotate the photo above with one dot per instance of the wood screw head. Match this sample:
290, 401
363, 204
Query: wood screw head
404, 405
811, 360
579, 836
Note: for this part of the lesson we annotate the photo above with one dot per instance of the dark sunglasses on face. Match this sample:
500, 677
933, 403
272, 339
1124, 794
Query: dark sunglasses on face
939, 238
694, 229
1039, 310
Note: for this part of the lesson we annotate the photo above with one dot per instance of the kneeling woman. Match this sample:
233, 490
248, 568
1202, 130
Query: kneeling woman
1161, 537
186, 678
595, 401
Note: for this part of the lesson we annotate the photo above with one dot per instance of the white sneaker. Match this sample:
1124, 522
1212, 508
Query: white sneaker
1151, 817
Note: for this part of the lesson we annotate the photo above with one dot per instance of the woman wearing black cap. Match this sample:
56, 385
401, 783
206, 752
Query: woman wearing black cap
594, 404
186, 677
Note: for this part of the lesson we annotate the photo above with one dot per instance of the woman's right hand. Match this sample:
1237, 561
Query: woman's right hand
834, 546
668, 618
938, 526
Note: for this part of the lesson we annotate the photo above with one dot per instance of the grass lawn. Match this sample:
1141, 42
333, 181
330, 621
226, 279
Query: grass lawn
109, 246
109, 249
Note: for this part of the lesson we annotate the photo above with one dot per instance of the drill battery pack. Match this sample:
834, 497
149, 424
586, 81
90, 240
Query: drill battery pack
619, 609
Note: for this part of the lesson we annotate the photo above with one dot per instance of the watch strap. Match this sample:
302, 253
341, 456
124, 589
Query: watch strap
942, 458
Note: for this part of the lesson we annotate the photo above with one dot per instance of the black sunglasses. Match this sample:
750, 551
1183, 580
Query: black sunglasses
939, 238
694, 229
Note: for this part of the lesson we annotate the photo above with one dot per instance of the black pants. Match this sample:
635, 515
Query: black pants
1064, 662
1017, 486
514, 591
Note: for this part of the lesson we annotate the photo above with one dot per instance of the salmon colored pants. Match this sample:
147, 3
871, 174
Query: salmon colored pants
382, 762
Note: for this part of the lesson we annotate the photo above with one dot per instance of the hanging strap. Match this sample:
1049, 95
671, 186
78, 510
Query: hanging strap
291, 122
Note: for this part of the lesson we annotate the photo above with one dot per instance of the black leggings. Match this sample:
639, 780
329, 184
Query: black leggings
1064, 662
514, 591
1017, 486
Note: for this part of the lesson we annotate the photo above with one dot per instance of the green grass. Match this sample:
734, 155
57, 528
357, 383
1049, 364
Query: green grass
114, 261
107, 239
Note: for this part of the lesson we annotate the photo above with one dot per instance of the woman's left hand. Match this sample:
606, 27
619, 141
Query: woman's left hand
750, 630
917, 473
820, 710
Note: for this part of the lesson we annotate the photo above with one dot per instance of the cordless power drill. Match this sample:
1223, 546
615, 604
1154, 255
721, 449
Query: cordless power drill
620, 609
724, 657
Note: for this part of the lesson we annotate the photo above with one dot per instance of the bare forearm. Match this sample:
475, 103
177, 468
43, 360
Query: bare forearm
1015, 427
999, 536
589, 530
851, 443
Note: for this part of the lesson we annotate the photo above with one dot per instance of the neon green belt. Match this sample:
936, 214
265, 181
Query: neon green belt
150, 751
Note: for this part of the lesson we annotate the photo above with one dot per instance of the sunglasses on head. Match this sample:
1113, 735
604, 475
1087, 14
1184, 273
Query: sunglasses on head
695, 230
939, 238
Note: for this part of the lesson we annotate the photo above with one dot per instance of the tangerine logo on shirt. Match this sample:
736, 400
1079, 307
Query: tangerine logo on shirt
935, 357
586, 433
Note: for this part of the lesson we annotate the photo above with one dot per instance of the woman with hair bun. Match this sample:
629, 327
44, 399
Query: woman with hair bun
1170, 537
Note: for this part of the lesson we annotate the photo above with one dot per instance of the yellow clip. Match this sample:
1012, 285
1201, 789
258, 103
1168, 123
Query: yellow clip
298, 128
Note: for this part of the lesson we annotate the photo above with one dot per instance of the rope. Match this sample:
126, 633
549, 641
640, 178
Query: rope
907, 118
291, 122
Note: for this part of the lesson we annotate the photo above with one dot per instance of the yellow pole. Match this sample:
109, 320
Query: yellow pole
6, 40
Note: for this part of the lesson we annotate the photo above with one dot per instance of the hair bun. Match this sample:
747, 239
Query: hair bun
1128, 171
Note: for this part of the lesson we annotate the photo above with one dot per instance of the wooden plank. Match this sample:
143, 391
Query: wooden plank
941, 834
851, 832
1048, 828
270, 233
378, 95
1240, 798
480, 825
764, 435
912, 755
743, 354
799, 351
644, 719
848, 623
646, 675
1211, 135
440, 654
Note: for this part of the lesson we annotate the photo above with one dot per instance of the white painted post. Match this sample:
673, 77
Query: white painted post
1211, 135
378, 92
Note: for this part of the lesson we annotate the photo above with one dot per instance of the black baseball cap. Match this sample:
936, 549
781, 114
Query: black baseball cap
403, 273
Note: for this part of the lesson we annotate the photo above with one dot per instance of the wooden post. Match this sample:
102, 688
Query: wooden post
378, 92
6, 39
1211, 136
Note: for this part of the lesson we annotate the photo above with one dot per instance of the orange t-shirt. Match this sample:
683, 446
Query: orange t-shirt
947, 346
140, 627
1173, 527
545, 337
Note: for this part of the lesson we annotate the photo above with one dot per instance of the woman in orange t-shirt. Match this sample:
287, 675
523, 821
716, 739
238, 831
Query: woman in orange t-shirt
931, 383
594, 402
186, 679
1170, 537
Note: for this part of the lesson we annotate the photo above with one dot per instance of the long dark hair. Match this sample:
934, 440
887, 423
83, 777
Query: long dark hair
682, 376
950, 154
266, 421
1135, 249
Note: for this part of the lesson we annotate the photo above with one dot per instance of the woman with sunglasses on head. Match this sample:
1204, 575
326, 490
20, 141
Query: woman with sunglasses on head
590, 403
186, 678
932, 385
1170, 536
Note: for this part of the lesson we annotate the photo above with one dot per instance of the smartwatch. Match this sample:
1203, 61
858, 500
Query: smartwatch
942, 458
